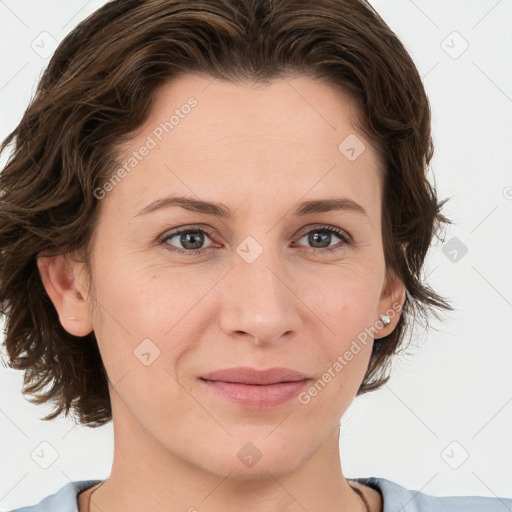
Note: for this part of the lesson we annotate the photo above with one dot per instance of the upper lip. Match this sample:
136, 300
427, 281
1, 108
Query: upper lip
248, 375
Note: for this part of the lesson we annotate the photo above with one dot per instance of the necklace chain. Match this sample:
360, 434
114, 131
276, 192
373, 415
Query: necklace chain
355, 489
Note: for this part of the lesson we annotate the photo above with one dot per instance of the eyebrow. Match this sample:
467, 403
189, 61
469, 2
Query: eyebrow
220, 210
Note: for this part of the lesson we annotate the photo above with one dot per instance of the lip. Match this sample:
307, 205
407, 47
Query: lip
256, 389
248, 375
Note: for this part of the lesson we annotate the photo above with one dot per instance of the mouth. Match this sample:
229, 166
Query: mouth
256, 389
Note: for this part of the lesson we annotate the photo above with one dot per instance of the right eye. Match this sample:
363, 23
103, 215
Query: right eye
191, 240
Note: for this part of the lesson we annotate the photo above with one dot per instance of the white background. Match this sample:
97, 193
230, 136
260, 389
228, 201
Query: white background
451, 398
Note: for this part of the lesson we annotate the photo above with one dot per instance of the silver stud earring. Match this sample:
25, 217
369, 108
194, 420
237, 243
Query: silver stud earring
385, 319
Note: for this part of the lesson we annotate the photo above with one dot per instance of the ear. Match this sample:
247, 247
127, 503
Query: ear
61, 279
391, 302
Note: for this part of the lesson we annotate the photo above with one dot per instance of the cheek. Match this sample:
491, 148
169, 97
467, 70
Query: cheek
138, 346
346, 310
145, 298
344, 298
146, 314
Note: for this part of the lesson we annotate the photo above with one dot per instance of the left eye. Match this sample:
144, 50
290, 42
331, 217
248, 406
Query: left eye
193, 239
319, 236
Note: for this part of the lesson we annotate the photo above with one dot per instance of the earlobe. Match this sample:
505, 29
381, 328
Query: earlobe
66, 293
391, 302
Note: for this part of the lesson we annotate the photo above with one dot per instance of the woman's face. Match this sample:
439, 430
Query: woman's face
266, 286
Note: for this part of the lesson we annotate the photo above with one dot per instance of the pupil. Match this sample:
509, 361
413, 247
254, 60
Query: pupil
318, 237
189, 237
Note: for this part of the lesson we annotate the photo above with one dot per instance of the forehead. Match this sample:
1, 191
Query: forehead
301, 111
223, 141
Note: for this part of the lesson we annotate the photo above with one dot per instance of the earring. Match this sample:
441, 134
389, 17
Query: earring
385, 319
71, 318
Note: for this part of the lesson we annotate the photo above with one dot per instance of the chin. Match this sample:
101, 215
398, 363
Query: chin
262, 470
254, 460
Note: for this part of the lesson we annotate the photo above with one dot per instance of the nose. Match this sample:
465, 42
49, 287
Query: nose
259, 302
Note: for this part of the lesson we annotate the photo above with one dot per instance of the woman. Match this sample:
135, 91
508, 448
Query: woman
212, 228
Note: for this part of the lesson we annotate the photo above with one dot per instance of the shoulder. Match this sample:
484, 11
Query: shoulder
64, 500
398, 498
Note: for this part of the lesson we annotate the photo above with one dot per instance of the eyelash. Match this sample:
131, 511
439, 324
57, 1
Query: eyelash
345, 237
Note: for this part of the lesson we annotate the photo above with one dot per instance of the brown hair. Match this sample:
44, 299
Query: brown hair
99, 87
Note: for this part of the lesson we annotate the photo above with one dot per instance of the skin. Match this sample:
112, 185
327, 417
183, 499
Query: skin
260, 151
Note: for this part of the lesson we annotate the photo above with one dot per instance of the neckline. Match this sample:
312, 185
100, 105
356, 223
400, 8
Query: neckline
84, 485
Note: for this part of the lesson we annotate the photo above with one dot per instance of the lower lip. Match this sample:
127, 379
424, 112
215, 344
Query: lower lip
257, 397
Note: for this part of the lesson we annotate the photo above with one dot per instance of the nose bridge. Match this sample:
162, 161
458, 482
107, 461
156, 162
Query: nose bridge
260, 302
258, 267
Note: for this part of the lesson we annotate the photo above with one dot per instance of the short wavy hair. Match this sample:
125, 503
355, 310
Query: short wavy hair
99, 87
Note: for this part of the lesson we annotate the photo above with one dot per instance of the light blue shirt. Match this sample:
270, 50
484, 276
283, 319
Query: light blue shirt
395, 499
